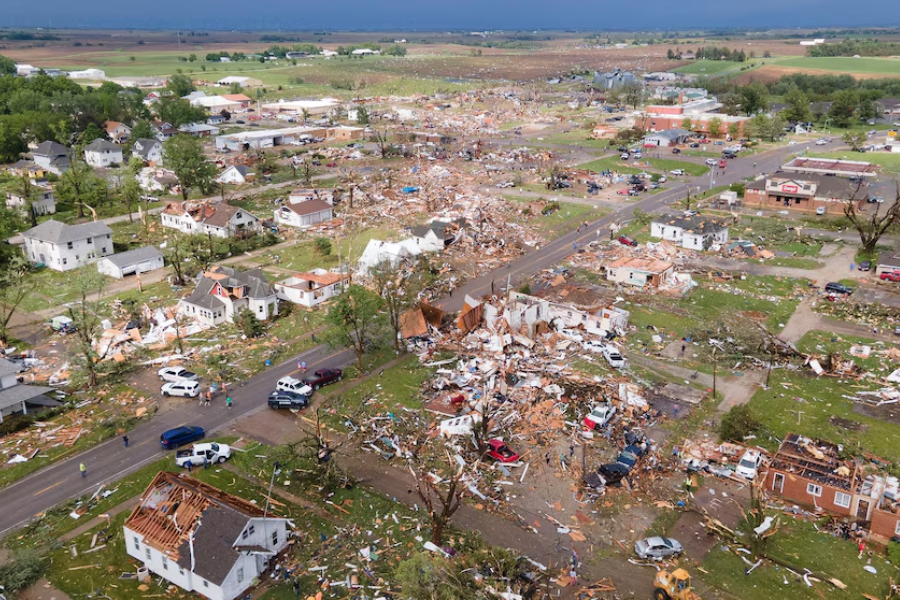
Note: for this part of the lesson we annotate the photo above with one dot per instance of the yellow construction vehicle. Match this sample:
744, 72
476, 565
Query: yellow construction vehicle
673, 586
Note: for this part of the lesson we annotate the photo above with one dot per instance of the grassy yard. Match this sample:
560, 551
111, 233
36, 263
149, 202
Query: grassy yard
562, 221
302, 255
801, 546
580, 137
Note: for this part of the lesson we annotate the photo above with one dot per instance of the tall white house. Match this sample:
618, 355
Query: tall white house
64, 247
202, 539
102, 153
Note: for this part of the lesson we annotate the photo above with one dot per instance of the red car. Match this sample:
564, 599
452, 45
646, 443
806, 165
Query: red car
890, 276
624, 239
622, 192
501, 452
323, 377
704, 141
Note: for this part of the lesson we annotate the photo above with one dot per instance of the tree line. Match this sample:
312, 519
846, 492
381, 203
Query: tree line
712, 53
855, 48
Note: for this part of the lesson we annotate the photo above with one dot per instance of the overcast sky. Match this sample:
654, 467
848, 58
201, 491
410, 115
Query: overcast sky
453, 14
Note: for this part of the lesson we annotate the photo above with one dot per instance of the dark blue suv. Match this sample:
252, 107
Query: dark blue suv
181, 436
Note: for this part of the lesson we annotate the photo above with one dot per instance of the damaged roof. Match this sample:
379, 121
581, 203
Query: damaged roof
815, 460
697, 224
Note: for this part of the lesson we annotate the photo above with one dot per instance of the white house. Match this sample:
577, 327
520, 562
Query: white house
695, 232
148, 150
133, 262
202, 539
43, 202
223, 292
64, 247
102, 153
52, 157
117, 132
435, 236
220, 219
235, 174
88, 74
306, 212
390, 254
16, 398
311, 289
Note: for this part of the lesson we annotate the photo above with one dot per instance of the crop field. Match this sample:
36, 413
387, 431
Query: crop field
842, 64
708, 67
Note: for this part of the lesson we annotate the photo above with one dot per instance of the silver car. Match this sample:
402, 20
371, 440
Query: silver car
657, 548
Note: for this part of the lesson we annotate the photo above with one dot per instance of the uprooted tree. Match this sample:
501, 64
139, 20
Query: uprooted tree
871, 219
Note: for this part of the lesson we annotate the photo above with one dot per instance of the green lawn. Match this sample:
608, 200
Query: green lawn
708, 67
569, 216
801, 546
610, 164
580, 137
845, 64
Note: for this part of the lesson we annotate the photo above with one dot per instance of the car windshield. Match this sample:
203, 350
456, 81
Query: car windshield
747, 463
667, 543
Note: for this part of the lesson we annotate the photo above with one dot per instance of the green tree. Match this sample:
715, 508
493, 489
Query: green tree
81, 187
131, 188
754, 98
797, 110
235, 88
86, 316
23, 186
362, 116
356, 319
867, 109
192, 58
7, 66
873, 221
184, 156
180, 85
142, 130
395, 50
179, 253
92, 132
687, 124
759, 125
15, 286
323, 246
633, 93
400, 292
734, 130
23, 571
843, 107
249, 325
715, 127
179, 112
737, 423
855, 139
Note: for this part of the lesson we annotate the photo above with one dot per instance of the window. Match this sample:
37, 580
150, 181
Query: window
69, 245
275, 538
240, 575
148, 554
842, 499
137, 543
251, 529
813, 489
260, 309
90, 241
245, 534
165, 563
205, 583
65, 260
103, 250
180, 571
77, 257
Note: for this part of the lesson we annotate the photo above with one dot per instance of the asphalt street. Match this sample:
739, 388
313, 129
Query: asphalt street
110, 461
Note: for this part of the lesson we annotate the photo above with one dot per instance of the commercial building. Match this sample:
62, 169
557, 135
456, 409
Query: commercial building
266, 138
699, 112
807, 192
312, 107
667, 137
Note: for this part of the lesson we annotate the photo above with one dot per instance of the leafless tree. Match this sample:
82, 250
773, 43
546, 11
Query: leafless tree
871, 219
441, 497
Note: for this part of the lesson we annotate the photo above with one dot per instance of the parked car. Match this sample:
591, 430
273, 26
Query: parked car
748, 464
613, 357
62, 324
676, 150
181, 436
821, 142
283, 399
625, 156
711, 162
865, 265
197, 454
627, 241
323, 377
600, 415
695, 145
595, 346
177, 374
638, 155
676, 172
657, 548
621, 192
838, 288
499, 451
704, 141
890, 276
184, 389
723, 164
612, 473
290, 384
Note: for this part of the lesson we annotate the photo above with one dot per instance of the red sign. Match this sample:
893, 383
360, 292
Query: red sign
790, 189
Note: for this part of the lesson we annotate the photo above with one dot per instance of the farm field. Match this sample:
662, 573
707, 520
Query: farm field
842, 64
708, 67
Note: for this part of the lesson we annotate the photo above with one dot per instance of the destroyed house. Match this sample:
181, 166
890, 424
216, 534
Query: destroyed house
812, 473
201, 538
16, 398
525, 311
695, 232
311, 289
222, 292
640, 271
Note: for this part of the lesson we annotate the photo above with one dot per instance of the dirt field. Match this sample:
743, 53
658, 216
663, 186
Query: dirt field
775, 72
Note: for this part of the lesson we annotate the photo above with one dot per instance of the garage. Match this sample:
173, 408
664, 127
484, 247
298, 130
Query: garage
140, 260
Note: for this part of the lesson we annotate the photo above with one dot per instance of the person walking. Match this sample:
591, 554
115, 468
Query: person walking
228, 401
125, 440
188, 466
208, 396
205, 462
296, 586
83, 470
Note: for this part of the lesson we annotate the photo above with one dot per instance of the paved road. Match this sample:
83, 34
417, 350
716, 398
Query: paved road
110, 461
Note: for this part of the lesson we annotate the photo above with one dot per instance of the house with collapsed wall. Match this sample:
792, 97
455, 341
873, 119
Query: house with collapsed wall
391, 255
640, 271
695, 232
311, 289
202, 539
524, 311
437, 235
219, 219
222, 292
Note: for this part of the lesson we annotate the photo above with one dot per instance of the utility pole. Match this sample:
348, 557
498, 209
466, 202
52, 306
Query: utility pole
715, 364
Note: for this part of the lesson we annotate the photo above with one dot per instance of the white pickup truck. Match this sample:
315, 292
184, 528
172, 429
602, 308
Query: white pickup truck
195, 455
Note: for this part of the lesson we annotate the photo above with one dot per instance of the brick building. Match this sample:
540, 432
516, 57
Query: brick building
806, 192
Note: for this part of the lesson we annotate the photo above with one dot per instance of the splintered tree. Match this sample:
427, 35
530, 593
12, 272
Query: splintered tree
355, 318
15, 286
84, 313
399, 290
439, 483
871, 219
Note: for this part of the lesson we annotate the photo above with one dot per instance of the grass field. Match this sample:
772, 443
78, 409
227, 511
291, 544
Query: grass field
610, 164
708, 67
843, 64
667, 164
